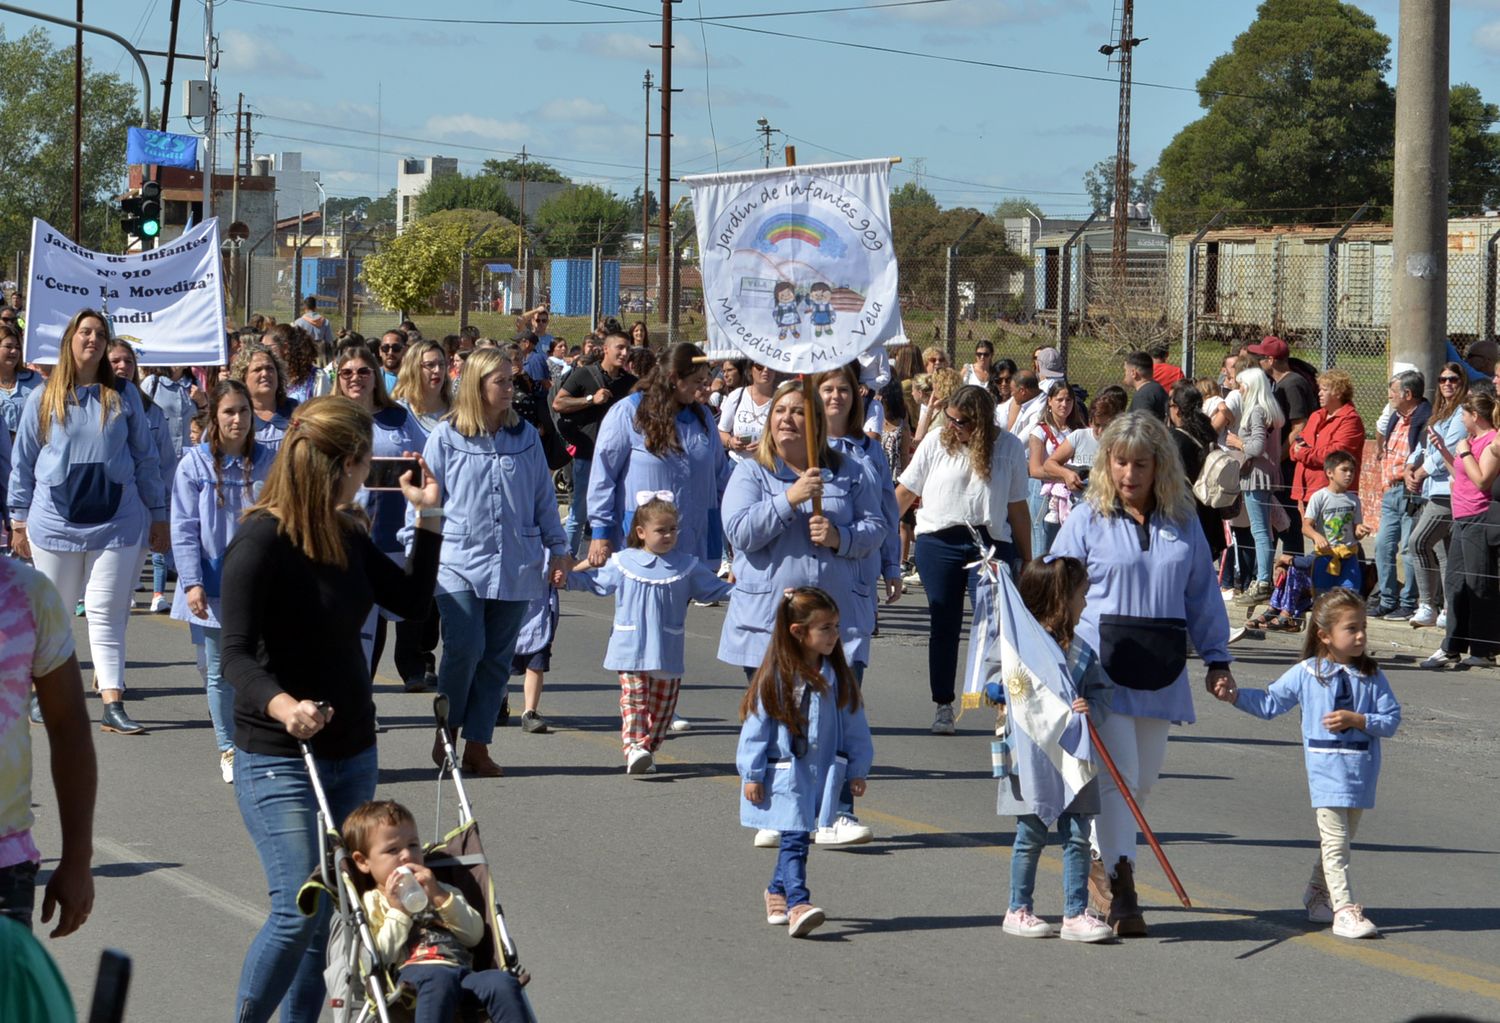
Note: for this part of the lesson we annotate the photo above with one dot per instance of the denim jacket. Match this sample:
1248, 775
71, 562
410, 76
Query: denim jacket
87, 488
1439, 480
501, 512
202, 528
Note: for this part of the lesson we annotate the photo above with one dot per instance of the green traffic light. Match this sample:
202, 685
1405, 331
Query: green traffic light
150, 228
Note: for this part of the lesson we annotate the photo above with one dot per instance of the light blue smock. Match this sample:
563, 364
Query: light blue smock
202, 527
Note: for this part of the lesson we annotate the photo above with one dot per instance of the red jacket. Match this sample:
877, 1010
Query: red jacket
1324, 434
1166, 374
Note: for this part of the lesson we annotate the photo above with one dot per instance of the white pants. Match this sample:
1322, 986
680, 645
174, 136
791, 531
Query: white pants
1139, 747
1336, 828
105, 580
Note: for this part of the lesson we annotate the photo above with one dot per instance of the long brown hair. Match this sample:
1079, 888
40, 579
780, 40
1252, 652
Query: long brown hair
855, 425
62, 382
774, 684
767, 453
409, 376
1047, 586
973, 403
380, 396
215, 439
656, 418
302, 490
1325, 613
1444, 406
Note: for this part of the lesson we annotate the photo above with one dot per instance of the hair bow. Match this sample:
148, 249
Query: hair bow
643, 496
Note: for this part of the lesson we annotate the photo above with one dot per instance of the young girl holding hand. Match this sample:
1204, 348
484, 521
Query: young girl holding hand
652, 583
1054, 590
1348, 707
803, 732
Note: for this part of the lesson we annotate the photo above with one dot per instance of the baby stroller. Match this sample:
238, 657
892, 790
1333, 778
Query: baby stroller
360, 988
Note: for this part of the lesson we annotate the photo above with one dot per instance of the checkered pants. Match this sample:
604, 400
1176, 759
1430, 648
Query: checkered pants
646, 707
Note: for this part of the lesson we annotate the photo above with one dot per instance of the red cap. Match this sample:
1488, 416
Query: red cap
1271, 348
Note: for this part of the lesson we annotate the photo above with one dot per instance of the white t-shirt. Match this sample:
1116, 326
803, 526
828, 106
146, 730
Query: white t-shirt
1085, 446
875, 418
952, 495
1030, 415
741, 417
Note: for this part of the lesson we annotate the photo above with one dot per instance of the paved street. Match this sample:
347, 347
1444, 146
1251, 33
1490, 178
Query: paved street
640, 899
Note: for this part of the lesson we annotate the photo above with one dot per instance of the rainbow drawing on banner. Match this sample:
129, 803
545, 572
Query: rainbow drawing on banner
797, 227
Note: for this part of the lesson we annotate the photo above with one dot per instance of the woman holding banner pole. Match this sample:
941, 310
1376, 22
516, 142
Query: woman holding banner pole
86, 492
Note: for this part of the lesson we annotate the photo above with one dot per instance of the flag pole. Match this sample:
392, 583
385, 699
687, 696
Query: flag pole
808, 394
1140, 818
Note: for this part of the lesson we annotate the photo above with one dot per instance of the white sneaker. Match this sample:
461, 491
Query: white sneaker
1025, 924
725, 568
912, 579
766, 838
1228, 595
1426, 616
226, 766
160, 605
1086, 927
1478, 661
942, 722
846, 830
1350, 922
1315, 900
1442, 620
680, 725
639, 761
1237, 633
1439, 660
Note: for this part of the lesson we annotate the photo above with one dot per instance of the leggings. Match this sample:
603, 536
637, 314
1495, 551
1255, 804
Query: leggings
104, 579
1429, 548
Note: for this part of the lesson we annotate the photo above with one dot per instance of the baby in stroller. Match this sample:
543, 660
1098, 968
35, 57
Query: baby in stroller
432, 949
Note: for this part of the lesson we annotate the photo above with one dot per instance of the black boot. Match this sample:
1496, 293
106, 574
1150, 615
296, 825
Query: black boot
116, 720
1124, 908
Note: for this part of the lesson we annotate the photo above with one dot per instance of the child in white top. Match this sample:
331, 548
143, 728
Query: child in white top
1348, 707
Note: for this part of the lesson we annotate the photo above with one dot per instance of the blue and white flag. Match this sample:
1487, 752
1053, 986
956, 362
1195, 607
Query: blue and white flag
799, 271
162, 148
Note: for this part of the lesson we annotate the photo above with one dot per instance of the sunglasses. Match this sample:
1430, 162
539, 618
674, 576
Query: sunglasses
959, 421
1448, 380
390, 348
354, 374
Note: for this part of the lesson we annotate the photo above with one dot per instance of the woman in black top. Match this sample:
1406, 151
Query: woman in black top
1195, 437
299, 580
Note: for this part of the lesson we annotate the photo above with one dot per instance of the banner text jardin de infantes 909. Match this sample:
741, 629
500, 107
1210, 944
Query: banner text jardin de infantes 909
167, 303
799, 273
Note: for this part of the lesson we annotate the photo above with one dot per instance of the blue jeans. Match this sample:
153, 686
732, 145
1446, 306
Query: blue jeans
940, 559
1037, 505
577, 526
790, 878
479, 640
1031, 836
18, 891
285, 963
440, 989
846, 795
1395, 529
1258, 508
158, 572
220, 692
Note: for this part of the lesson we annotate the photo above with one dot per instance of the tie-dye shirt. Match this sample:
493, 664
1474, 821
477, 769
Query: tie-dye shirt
36, 637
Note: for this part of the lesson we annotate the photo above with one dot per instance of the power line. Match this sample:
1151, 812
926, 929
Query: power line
563, 23
936, 177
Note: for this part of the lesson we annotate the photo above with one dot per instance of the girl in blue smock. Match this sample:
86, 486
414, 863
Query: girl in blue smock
502, 524
1347, 708
123, 361
1034, 792
86, 492
1151, 590
660, 439
803, 733
261, 370
652, 582
16, 381
216, 481
397, 434
779, 543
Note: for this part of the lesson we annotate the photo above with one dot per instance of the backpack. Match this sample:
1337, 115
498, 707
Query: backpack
1218, 482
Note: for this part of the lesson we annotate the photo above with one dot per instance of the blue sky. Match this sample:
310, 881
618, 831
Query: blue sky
571, 93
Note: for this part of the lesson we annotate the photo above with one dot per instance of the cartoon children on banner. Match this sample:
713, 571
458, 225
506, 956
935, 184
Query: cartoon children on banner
820, 304
787, 310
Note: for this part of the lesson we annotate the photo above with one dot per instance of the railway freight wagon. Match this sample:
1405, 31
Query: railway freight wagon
1297, 281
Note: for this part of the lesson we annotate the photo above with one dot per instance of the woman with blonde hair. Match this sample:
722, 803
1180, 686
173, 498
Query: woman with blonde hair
422, 384
1151, 590
300, 578
505, 543
971, 477
86, 493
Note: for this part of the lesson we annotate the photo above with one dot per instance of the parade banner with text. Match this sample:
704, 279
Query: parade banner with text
799, 273
167, 303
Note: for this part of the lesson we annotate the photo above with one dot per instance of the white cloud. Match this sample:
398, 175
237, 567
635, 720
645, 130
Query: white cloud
258, 54
984, 13
573, 109
1487, 37
624, 46
472, 126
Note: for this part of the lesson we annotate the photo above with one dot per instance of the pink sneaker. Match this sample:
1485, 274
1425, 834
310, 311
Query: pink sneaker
1086, 927
1025, 924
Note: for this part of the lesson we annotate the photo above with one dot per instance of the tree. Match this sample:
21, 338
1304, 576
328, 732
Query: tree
912, 194
1298, 114
633, 207
411, 270
460, 192
922, 235
1019, 206
1099, 183
535, 170
373, 211
36, 154
1473, 150
572, 223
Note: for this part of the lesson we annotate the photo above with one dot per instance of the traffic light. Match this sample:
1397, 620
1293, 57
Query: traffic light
140, 214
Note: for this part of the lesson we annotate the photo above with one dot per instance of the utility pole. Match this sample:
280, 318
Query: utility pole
208, 122
1119, 52
78, 131
234, 202
646, 204
521, 241
664, 229
765, 129
1419, 296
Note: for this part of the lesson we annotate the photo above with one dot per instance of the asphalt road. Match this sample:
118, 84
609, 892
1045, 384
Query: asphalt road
639, 899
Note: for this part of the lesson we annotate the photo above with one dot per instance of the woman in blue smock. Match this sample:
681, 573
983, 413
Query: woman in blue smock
16, 381
263, 373
660, 439
502, 525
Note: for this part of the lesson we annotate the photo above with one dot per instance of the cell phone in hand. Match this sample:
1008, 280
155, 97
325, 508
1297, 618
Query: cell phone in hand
386, 473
